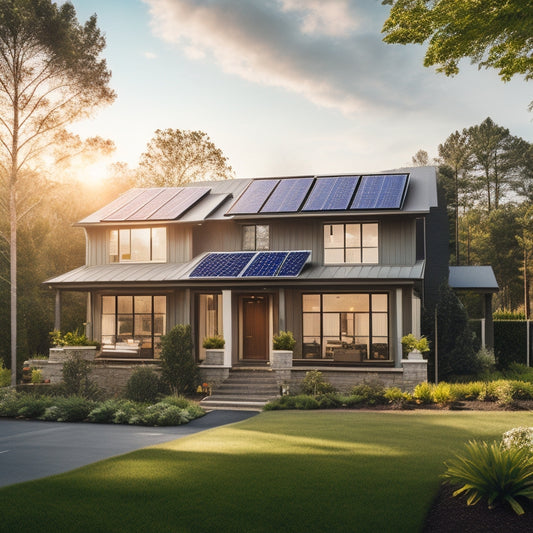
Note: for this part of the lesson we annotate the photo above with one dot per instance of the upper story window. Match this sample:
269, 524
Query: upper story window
351, 243
256, 237
138, 245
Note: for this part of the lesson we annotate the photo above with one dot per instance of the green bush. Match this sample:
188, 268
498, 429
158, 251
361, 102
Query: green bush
214, 342
485, 361
410, 343
10, 402
72, 338
178, 368
5, 376
510, 342
372, 393
69, 409
314, 383
284, 340
143, 385
442, 393
397, 397
36, 375
492, 472
423, 393
301, 401
105, 412
519, 372
329, 401
33, 406
351, 400
126, 412
468, 391
76, 381
178, 401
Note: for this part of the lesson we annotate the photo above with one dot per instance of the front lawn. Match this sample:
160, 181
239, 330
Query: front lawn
279, 471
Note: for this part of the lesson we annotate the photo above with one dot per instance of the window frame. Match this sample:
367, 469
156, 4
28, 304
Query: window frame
117, 238
254, 247
346, 248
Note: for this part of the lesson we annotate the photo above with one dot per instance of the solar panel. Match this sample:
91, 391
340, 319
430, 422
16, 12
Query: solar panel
288, 196
253, 198
331, 194
222, 265
293, 264
180, 203
386, 191
265, 264
131, 207
165, 195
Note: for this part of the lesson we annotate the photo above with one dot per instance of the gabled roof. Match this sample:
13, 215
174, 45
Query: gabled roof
407, 190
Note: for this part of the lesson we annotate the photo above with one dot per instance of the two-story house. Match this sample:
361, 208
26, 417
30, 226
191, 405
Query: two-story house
345, 262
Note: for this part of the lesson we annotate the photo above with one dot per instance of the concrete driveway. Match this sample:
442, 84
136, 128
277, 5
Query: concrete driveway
32, 449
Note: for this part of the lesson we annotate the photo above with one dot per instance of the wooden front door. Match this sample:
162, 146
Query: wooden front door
255, 327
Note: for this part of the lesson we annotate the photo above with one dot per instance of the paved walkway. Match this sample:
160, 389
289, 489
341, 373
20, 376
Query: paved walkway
30, 449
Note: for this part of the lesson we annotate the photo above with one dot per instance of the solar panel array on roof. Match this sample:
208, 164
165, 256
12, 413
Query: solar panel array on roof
181, 203
251, 264
380, 192
164, 196
320, 194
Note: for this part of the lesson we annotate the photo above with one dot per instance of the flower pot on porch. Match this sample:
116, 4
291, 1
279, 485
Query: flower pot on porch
214, 356
281, 359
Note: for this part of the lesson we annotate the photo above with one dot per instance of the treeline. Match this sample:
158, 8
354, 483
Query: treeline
487, 175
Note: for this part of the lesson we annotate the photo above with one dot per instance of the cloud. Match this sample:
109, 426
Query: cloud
150, 55
331, 52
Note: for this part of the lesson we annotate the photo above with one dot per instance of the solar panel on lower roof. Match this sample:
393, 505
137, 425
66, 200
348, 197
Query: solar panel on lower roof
386, 191
288, 196
331, 194
293, 264
265, 264
222, 265
253, 198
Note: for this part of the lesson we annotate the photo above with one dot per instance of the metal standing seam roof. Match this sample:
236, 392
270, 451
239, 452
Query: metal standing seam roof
475, 278
178, 273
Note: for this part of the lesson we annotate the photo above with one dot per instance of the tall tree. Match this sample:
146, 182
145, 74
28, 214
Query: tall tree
492, 33
456, 160
51, 74
175, 157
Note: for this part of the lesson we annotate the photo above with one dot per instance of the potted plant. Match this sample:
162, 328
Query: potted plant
214, 350
413, 347
283, 345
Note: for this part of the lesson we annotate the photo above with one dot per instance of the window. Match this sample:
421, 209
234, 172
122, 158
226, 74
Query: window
351, 243
138, 245
135, 319
346, 327
256, 237
209, 319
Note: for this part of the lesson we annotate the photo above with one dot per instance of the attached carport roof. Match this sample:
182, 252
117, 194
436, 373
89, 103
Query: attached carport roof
473, 278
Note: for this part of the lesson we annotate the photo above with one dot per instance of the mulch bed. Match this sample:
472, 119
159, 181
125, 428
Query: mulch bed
452, 515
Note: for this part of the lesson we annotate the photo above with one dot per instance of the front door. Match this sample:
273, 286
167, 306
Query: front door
255, 327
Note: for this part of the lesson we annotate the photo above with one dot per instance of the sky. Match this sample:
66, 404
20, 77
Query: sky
286, 87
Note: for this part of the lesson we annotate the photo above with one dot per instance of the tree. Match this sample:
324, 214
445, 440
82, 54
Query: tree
420, 159
492, 33
51, 75
176, 157
456, 160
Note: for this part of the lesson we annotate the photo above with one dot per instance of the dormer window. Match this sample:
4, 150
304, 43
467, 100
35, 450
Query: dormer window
351, 243
256, 237
138, 245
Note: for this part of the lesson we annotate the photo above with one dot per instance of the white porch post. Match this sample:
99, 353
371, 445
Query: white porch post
416, 314
227, 326
281, 309
57, 314
399, 326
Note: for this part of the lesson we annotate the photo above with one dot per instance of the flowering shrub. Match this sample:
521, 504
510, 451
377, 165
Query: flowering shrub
520, 437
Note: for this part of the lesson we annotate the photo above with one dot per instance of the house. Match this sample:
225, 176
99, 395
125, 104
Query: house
345, 262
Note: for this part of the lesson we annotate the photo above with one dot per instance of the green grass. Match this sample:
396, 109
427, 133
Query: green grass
280, 471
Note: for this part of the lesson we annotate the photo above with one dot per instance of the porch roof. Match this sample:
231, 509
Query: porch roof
473, 278
173, 274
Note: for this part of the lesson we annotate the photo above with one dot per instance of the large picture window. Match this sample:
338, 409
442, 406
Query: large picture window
138, 245
209, 319
137, 321
351, 243
346, 327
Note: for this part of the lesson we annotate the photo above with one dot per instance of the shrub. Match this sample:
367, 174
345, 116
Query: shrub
423, 393
442, 393
329, 401
485, 361
521, 437
70, 409
194, 411
178, 367
397, 397
143, 385
493, 472
104, 412
214, 342
302, 401
178, 401
33, 406
10, 402
5, 376
125, 412
510, 343
351, 400
410, 343
72, 338
314, 383
468, 391
36, 375
519, 372
76, 379
371, 393
284, 340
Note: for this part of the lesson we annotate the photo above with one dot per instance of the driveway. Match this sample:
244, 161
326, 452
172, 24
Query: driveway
32, 449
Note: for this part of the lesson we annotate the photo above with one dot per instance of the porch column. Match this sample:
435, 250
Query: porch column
88, 317
399, 326
57, 313
227, 326
489, 325
281, 310
415, 314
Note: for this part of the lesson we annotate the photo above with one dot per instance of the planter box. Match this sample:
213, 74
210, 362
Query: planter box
281, 359
214, 356
65, 352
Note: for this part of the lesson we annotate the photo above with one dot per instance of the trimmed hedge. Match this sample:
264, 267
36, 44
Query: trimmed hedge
510, 342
